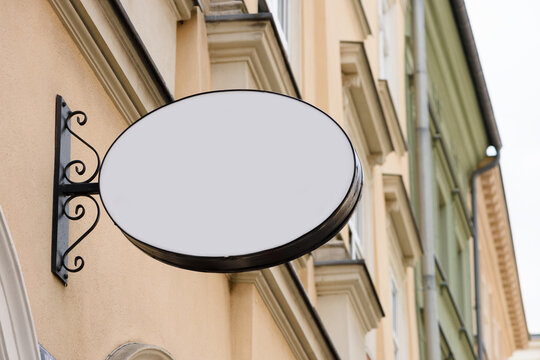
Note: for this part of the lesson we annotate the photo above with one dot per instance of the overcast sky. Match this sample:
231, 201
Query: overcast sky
507, 35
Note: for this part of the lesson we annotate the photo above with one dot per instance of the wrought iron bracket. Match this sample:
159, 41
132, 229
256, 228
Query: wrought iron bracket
67, 191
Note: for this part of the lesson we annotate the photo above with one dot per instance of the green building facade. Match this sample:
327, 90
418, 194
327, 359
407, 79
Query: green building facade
459, 139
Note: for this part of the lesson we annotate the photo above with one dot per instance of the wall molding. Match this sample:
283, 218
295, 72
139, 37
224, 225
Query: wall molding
400, 213
138, 351
289, 310
251, 40
351, 279
18, 340
362, 18
501, 233
182, 8
105, 44
392, 118
362, 94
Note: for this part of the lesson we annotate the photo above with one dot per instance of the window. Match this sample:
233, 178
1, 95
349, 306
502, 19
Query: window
281, 10
287, 16
388, 45
398, 302
355, 228
360, 229
395, 315
442, 233
383, 39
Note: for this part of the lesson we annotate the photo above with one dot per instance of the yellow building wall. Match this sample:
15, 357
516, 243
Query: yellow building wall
122, 294
326, 24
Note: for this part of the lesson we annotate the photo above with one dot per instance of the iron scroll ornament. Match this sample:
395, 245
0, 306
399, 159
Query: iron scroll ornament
72, 191
81, 120
69, 191
80, 211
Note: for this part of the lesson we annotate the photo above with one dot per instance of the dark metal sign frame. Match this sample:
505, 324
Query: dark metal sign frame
67, 191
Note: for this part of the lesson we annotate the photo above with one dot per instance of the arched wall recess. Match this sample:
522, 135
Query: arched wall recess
138, 351
18, 340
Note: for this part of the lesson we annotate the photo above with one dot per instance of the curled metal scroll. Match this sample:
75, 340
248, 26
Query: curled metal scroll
79, 165
78, 214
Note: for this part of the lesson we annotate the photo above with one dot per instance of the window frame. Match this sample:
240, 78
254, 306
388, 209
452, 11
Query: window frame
394, 304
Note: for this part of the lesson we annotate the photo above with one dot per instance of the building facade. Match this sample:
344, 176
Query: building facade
458, 142
475, 268
357, 297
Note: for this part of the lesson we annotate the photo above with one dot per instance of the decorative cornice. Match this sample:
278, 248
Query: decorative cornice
181, 8
94, 50
227, 7
362, 18
252, 40
333, 250
105, 43
289, 310
350, 80
400, 213
358, 81
351, 278
499, 225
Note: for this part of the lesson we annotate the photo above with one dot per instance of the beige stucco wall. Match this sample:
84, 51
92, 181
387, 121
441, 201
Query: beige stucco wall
193, 73
121, 295
255, 335
157, 29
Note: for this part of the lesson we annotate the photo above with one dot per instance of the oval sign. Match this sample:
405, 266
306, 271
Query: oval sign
230, 181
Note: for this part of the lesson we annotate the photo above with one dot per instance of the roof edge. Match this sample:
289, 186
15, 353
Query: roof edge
473, 60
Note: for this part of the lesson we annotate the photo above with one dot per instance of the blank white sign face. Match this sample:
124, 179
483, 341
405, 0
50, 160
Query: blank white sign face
231, 180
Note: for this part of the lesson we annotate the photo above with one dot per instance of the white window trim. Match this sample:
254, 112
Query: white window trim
367, 248
359, 237
383, 8
356, 239
388, 45
398, 270
18, 338
283, 25
394, 300
290, 33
